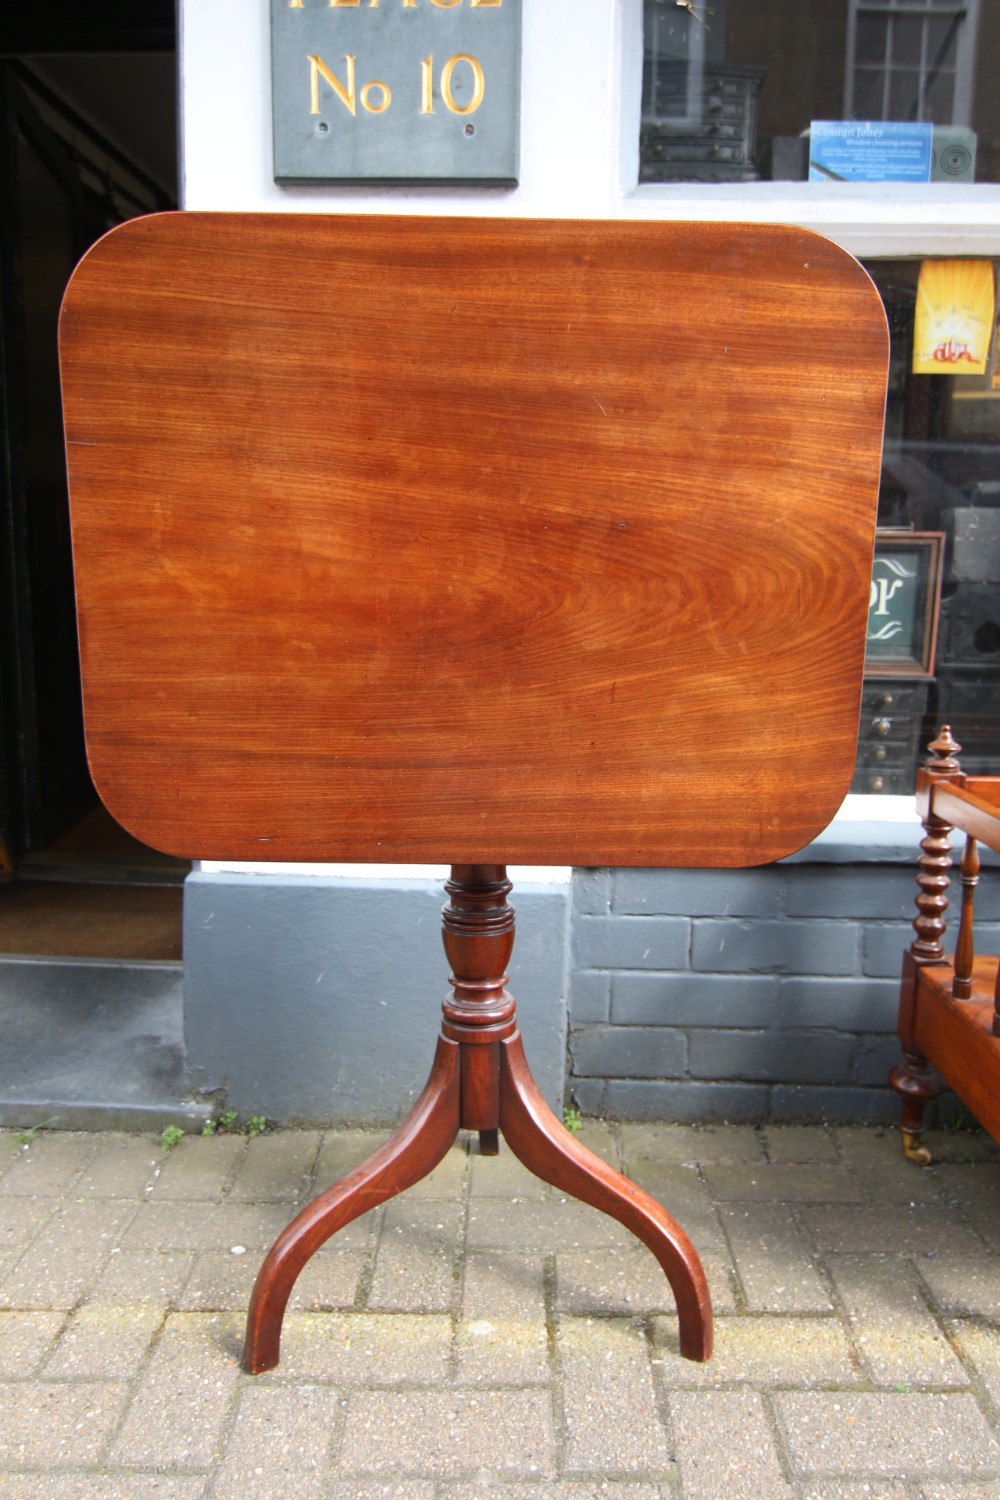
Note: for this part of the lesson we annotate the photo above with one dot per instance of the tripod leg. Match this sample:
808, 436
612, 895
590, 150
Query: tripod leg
538, 1139
415, 1149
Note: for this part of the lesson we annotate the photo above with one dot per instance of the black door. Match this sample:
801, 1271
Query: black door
62, 185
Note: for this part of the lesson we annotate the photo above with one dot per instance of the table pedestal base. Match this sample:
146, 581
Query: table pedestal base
480, 1080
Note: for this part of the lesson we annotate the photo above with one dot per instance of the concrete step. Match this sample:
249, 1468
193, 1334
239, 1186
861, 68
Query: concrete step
93, 1044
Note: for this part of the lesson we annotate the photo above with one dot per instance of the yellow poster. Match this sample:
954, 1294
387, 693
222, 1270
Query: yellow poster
954, 317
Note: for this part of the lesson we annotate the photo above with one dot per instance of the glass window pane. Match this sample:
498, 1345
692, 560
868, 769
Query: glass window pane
940, 480
906, 40
939, 98
904, 94
869, 86
942, 40
771, 67
871, 38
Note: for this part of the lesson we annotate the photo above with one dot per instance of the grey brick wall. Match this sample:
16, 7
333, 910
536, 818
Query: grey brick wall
766, 994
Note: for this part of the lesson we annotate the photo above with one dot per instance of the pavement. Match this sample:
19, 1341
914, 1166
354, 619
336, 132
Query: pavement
482, 1336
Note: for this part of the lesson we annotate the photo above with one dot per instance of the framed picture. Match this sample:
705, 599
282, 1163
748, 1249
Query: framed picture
904, 603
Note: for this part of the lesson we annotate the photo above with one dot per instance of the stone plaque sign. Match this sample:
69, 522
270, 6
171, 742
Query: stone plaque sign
396, 90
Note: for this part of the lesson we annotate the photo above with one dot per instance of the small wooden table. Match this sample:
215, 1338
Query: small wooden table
475, 541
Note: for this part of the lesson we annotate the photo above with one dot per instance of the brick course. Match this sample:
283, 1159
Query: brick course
766, 994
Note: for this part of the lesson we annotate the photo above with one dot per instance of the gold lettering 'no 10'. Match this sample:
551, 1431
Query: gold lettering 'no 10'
376, 96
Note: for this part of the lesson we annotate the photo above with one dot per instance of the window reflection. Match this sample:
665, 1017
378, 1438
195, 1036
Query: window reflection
731, 89
940, 477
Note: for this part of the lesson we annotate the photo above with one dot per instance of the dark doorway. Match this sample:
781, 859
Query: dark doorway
88, 124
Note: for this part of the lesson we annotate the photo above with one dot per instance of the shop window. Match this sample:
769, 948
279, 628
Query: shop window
934, 626
777, 90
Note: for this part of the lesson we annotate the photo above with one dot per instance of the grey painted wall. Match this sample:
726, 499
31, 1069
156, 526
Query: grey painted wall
317, 1001
766, 994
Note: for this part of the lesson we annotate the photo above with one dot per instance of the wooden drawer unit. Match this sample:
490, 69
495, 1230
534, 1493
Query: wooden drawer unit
889, 736
699, 135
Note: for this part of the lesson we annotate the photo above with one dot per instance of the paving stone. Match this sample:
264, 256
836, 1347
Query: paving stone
47, 1166
25, 1339
448, 1177
503, 1336
21, 1219
562, 1223
782, 1183
123, 1166
684, 1195
760, 1351
182, 1225
628, 1282
151, 1278
599, 1136
681, 1144
899, 1340
961, 1146
502, 1351
361, 1348
50, 1424
276, 1168
855, 1489
571, 1489
774, 1261
980, 1345
330, 1281
379, 1489
886, 1176
892, 1179
184, 1397
343, 1150
416, 1264
120, 1486
890, 1230
960, 1286
278, 1447
915, 1436
199, 1169
947, 1491
440, 1433
974, 1190
608, 1399
176, 1420
500, 1283
725, 1447
504, 1177
798, 1143
109, 1343
222, 1282
67, 1255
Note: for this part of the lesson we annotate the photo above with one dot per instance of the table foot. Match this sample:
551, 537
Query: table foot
414, 1150
548, 1150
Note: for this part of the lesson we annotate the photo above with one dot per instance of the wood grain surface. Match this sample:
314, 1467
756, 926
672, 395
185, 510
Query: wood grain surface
472, 540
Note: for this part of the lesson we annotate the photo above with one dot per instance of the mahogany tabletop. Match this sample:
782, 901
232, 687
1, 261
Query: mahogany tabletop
471, 540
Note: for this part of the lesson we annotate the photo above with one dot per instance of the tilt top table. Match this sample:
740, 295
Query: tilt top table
476, 542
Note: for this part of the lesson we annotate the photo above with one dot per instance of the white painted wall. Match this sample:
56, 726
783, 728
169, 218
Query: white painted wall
582, 64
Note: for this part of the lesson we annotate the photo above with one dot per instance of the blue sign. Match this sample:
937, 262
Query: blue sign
870, 151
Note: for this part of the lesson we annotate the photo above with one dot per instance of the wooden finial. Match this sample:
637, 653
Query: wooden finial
944, 751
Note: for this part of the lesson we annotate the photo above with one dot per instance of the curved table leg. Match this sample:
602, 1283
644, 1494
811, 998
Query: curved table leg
415, 1149
538, 1139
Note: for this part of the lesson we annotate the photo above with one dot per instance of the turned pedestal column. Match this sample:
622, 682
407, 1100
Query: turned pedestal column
480, 1081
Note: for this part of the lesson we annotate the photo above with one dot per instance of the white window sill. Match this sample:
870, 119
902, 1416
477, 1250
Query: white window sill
873, 219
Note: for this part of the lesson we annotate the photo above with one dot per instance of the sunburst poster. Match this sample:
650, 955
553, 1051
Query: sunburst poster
953, 324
